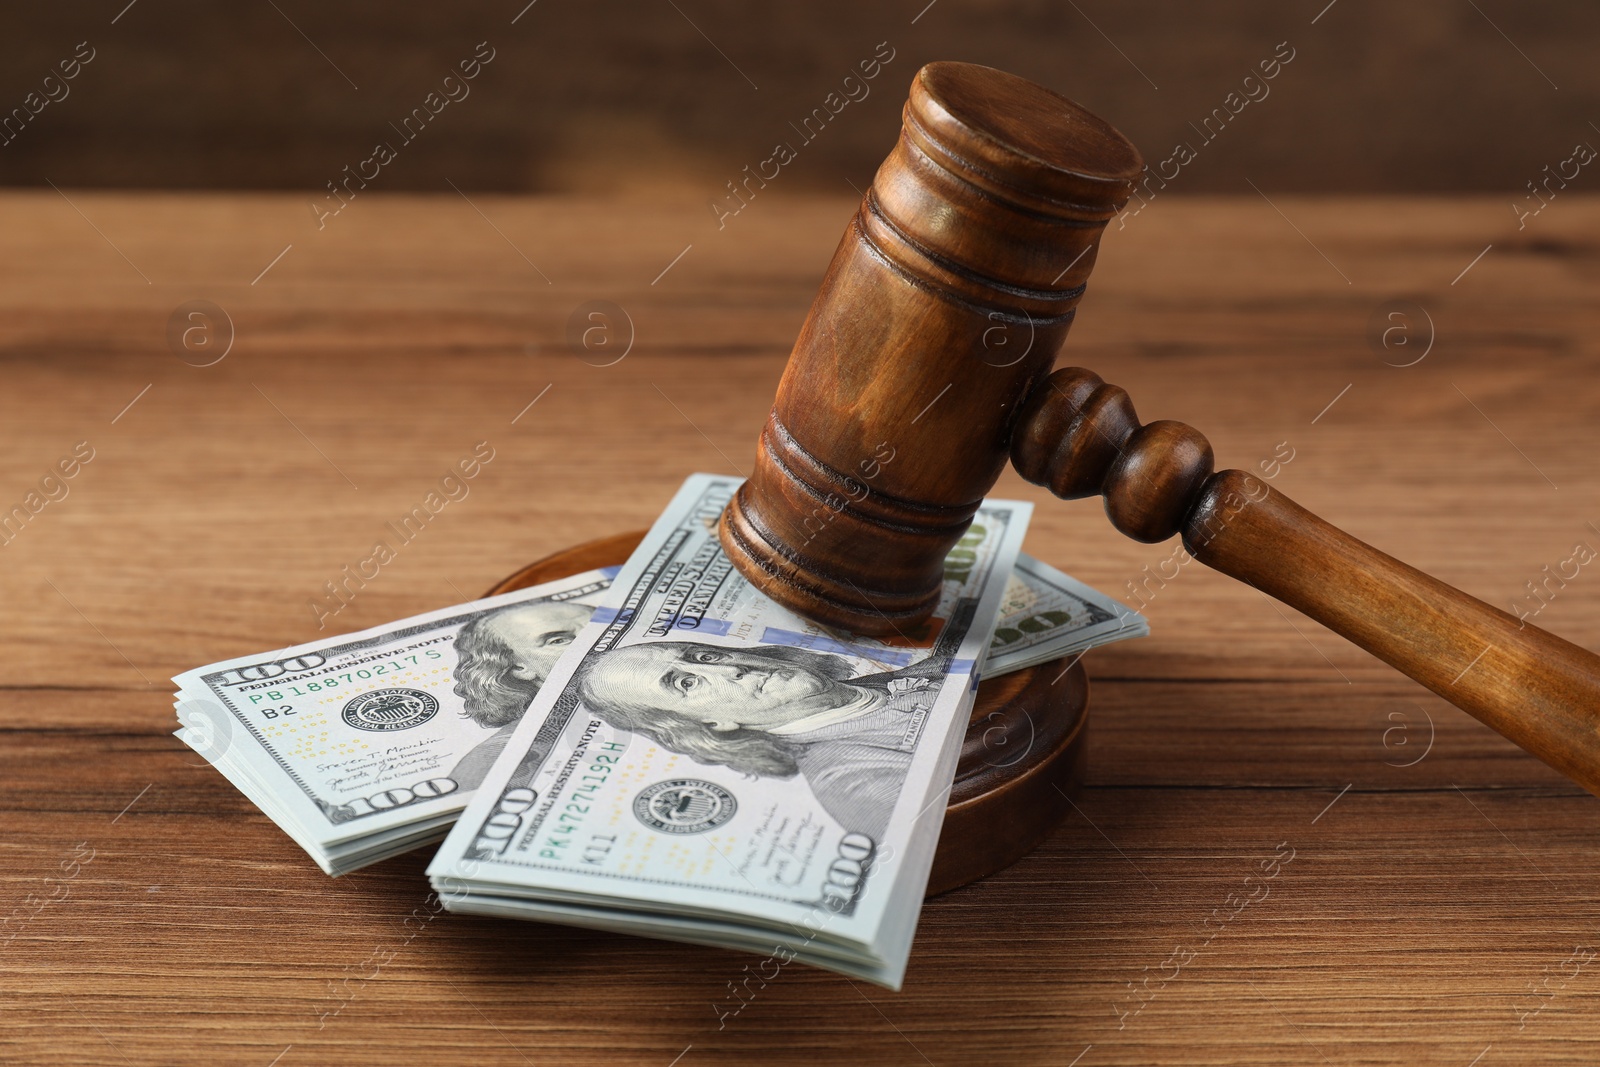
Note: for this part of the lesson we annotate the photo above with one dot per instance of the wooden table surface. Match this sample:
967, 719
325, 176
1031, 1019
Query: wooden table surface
1433, 890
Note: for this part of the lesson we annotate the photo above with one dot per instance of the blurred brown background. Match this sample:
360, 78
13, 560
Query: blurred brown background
1426, 96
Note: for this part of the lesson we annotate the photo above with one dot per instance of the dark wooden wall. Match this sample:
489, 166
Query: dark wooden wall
1429, 95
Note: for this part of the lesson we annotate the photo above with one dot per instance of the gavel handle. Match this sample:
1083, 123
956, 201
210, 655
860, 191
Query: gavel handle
1535, 688
1080, 436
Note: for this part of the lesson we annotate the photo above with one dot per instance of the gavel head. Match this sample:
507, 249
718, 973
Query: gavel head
944, 306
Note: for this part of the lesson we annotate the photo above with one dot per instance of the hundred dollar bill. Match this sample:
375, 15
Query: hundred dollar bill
1047, 615
703, 765
369, 744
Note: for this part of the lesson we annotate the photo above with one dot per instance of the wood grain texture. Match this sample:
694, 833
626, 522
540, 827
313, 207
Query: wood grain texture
1417, 912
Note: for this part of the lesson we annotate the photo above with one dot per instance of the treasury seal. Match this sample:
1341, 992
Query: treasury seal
684, 806
390, 709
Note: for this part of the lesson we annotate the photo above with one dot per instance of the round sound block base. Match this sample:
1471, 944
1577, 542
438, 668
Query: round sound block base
1023, 755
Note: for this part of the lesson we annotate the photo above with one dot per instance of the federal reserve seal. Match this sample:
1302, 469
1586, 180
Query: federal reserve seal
684, 806
390, 709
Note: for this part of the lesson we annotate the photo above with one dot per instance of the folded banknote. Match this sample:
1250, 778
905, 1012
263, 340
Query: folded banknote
368, 745
703, 765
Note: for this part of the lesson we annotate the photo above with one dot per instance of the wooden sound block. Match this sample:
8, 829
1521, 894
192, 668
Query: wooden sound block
1023, 756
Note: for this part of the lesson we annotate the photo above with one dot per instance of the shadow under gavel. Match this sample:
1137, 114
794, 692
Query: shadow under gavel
925, 363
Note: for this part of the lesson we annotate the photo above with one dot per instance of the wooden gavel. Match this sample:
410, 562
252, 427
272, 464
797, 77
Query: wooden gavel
925, 362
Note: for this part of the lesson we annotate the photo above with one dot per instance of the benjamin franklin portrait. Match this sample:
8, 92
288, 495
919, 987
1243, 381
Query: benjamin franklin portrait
502, 659
773, 712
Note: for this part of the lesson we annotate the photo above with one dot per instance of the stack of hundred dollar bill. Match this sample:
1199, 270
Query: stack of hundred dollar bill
656, 748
